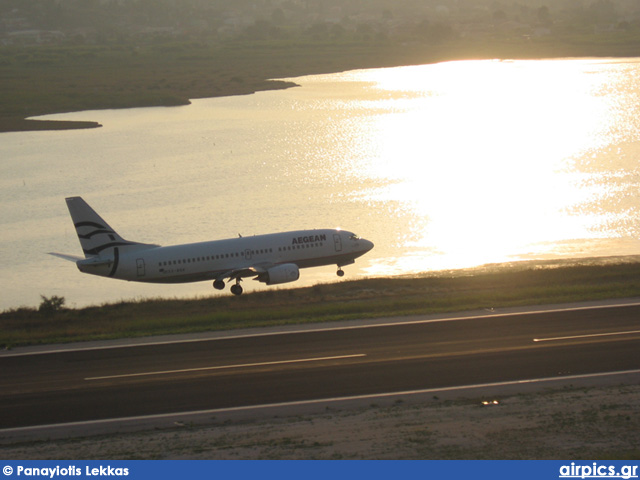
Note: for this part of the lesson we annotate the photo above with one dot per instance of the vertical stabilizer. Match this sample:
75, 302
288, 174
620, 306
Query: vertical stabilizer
94, 233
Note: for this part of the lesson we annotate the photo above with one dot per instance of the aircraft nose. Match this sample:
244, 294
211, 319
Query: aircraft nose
368, 244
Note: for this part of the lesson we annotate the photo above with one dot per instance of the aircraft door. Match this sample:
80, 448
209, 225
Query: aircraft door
247, 254
337, 241
140, 265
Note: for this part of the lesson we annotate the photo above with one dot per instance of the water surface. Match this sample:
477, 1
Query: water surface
441, 166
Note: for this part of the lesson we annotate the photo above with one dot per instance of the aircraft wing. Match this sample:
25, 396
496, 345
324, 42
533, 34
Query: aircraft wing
251, 271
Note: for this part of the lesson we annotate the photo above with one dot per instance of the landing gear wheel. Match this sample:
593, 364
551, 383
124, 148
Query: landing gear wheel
236, 289
218, 284
340, 272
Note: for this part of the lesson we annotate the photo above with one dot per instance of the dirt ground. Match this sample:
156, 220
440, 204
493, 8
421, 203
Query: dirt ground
566, 423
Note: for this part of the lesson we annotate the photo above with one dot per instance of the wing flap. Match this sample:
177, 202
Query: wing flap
246, 272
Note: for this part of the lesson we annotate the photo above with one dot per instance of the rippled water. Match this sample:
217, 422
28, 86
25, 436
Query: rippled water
442, 166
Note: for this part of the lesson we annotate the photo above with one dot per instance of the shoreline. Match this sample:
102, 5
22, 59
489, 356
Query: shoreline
66, 83
32, 124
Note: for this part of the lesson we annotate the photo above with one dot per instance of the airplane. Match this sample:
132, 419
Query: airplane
272, 259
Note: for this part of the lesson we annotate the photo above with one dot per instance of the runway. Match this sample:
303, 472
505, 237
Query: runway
83, 385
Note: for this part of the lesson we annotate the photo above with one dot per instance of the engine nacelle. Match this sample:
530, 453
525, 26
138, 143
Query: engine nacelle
287, 272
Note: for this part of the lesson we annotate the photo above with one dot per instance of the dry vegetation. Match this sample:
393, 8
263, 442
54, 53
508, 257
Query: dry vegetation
486, 287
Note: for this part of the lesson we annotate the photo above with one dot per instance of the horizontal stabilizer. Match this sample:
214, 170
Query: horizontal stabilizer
71, 258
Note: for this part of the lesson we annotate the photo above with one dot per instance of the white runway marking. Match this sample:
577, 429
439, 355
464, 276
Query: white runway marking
551, 339
83, 347
182, 415
222, 367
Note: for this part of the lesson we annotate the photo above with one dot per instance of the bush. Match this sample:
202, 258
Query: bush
50, 305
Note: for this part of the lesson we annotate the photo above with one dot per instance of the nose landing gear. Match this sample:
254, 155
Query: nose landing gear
340, 272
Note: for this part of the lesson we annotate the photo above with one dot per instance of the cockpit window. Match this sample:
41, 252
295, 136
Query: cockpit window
354, 237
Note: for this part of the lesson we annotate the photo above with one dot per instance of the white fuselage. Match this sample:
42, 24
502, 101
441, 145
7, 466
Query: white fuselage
210, 260
272, 259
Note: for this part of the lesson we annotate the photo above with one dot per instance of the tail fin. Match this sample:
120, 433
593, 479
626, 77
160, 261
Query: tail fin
94, 233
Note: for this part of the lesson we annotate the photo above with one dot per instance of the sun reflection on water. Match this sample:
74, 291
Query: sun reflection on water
487, 156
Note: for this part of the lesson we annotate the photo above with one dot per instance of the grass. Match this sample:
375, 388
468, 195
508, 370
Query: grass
483, 288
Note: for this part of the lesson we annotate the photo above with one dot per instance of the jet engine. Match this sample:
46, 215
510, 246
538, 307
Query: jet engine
287, 272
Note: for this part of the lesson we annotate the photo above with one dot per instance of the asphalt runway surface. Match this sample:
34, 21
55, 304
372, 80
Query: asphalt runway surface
94, 384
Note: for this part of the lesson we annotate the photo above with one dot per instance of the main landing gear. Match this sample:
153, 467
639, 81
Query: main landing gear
236, 289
